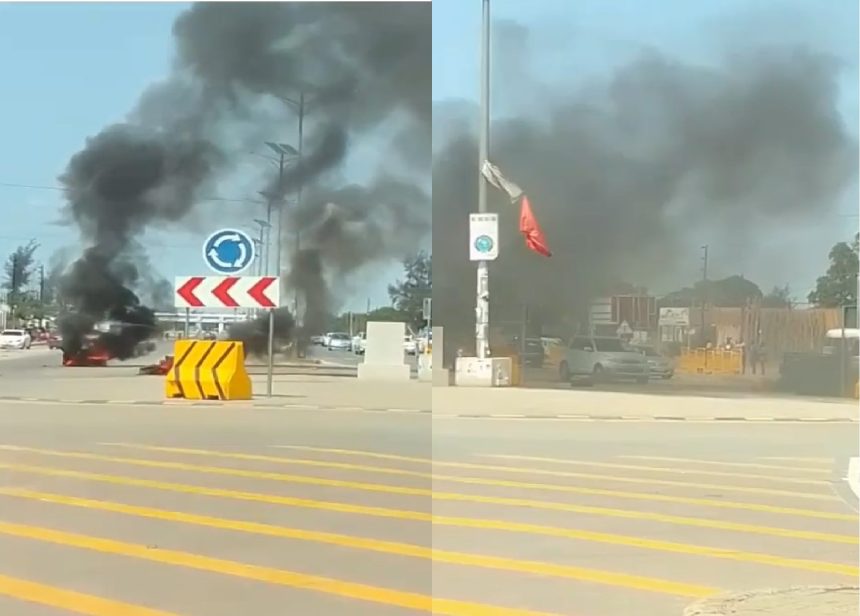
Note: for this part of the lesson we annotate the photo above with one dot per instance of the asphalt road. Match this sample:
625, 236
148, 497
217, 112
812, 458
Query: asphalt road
153, 510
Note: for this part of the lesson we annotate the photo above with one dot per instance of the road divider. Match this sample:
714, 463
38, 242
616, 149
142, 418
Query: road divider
207, 370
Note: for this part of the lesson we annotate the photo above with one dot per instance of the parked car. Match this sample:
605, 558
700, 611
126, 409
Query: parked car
55, 341
318, 340
424, 341
599, 359
339, 341
410, 345
659, 365
15, 339
358, 343
326, 338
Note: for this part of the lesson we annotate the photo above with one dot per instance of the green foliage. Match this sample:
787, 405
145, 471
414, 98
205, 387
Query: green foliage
838, 287
408, 295
779, 297
19, 270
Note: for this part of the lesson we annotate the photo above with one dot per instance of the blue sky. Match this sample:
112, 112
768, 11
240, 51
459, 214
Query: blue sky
69, 70
578, 40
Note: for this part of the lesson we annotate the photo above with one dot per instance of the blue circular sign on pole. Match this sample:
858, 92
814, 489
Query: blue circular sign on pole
228, 251
483, 243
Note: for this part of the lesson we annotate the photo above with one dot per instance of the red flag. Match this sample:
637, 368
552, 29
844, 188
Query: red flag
531, 230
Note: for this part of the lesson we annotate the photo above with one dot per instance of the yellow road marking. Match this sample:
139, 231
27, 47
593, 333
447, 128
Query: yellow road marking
282, 577
515, 470
798, 459
777, 467
661, 469
517, 528
474, 498
385, 547
71, 601
553, 506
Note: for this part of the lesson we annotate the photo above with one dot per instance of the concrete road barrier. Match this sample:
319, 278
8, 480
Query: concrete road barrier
208, 370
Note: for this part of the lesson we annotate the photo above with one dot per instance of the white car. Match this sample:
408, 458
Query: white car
339, 341
410, 346
326, 338
15, 339
358, 343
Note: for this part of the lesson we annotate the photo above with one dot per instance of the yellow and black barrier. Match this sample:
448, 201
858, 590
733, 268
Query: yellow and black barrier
208, 370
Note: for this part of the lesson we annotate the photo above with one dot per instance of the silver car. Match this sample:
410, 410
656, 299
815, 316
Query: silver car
659, 366
599, 359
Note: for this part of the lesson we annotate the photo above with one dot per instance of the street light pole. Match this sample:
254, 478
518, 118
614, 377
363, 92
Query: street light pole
482, 299
299, 196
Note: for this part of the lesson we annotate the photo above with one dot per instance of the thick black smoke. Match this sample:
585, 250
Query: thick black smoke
621, 176
363, 66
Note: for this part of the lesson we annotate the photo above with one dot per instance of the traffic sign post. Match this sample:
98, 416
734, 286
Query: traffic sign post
228, 251
232, 292
226, 292
483, 237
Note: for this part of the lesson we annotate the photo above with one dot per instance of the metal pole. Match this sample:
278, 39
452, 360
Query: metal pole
280, 221
843, 354
704, 290
482, 299
267, 249
271, 366
187, 322
299, 194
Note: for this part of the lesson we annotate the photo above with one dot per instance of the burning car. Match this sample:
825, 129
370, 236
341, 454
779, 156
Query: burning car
90, 354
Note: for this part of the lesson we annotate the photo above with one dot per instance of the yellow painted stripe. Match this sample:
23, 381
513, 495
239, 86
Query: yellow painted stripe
282, 577
70, 601
501, 482
662, 469
532, 529
556, 473
776, 467
804, 460
570, 507
385, 547
492, 500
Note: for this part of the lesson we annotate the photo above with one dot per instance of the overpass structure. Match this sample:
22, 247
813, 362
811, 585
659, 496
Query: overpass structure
214, 321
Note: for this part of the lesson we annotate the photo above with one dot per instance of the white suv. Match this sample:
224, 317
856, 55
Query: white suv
600, 359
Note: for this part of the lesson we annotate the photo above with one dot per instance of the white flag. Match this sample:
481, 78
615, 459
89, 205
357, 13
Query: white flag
495, 177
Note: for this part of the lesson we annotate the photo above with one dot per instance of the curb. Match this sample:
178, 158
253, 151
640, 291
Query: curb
264, 403
798, 600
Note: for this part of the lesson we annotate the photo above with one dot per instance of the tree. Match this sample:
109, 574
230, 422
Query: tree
838, 287
19, 270
408, 295
731, 292
779, 297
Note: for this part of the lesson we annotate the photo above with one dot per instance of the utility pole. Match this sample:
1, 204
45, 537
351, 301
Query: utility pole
482, 298
704, 288
299, 194
42, 284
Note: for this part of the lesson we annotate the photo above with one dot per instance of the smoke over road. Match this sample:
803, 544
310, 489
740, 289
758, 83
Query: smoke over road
365, 66
623, 175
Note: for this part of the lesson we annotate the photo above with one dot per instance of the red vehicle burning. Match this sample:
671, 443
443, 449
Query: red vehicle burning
91, 354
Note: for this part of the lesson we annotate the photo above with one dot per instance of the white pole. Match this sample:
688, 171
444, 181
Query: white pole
482, 299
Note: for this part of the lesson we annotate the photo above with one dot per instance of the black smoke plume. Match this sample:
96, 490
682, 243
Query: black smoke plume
364, 67
623, 175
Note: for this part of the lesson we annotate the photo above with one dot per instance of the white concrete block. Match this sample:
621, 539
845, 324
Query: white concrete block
383, 372
490, 372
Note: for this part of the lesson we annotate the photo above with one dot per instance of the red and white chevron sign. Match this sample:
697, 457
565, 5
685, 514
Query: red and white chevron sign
227, 292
